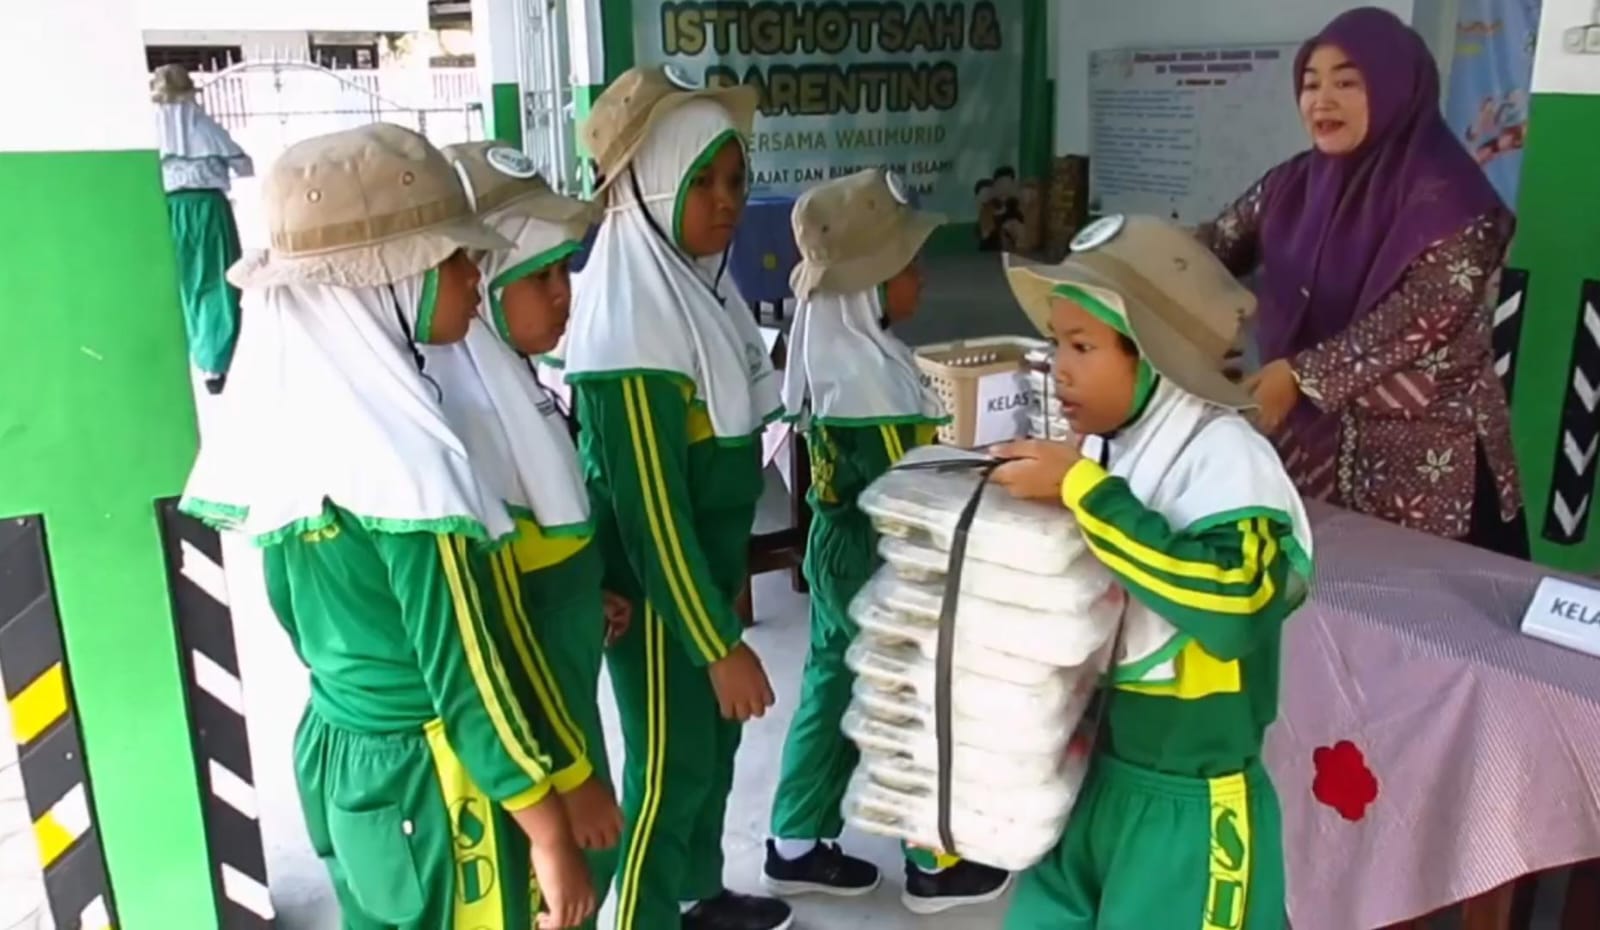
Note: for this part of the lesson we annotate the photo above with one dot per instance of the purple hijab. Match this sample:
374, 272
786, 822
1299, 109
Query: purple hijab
1338, 232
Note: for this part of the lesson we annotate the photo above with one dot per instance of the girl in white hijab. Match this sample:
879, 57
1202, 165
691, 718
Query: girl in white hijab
856, 390
673, 387
377, 525
552, 574
198, 162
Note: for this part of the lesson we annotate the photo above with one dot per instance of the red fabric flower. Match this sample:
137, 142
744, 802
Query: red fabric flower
1343, 781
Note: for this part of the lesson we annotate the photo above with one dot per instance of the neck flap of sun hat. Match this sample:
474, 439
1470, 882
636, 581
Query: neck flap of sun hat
1199, 466
184, 130
845, 369
643, 305
514, 435
326, 405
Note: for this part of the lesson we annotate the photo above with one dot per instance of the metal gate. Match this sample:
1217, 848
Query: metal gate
544, 68
270, 105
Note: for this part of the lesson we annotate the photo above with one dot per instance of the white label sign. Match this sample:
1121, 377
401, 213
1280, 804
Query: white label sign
1002, 411
1565, 614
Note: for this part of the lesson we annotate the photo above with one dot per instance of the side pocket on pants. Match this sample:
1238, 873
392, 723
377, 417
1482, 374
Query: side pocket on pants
374, 850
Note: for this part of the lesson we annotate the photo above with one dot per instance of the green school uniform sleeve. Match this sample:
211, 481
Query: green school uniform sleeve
640, 434
276, 573
1227, 585
553, 726
442, 609
845, 459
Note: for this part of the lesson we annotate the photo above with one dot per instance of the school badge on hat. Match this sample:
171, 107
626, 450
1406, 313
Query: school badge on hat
1098, 233
511, 162
679, 77
898, 189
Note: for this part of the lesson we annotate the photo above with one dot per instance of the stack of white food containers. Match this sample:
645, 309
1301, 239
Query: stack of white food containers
1045, 418
1033, 626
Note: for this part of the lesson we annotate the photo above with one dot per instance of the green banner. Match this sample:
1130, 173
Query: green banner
928, 89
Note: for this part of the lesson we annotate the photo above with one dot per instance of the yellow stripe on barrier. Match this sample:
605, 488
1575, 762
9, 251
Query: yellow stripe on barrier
39, 705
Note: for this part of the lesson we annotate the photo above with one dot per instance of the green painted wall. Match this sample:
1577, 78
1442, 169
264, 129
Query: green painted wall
1558, 244
96, 423
505, 114
616, 37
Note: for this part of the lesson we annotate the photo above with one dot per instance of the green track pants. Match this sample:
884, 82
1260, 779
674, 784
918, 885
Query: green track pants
841, 556
408, 839
1150, 851
678, 769
207, 244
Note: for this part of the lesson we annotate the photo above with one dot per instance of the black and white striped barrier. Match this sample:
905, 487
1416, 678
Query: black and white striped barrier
46, 748
217, 725
1573, 469
1506, 331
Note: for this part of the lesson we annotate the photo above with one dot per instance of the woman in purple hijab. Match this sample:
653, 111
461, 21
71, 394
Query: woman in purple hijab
1377, 250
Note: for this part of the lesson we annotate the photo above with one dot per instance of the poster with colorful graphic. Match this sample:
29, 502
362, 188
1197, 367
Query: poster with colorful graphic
927, 89
1487, 103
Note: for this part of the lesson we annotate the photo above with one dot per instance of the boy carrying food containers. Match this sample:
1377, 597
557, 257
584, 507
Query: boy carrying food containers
1189, 507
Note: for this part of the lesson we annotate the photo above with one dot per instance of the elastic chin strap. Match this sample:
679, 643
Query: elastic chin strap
1144, 390
643, 206
430, 289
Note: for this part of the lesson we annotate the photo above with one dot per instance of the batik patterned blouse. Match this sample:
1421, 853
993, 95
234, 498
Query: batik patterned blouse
1412, 383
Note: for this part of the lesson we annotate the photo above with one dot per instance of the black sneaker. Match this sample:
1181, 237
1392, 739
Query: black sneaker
823, 870
730, 911
957, 886
215, 384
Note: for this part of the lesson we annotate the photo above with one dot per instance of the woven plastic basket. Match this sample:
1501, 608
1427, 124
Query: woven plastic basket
955, 369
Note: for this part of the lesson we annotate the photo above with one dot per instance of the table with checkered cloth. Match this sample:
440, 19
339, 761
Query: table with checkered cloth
1425, 751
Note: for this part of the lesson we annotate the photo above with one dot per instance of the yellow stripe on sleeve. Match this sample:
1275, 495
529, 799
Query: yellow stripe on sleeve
689, 601
1265, 548
674, 584
1244, 573
534, 665
508, 722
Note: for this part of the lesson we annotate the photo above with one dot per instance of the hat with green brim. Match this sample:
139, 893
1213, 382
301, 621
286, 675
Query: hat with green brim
1182, 307
362, 208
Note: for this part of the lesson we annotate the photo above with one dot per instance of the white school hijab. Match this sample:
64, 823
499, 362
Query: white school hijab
1197, 465
515, 436
325, 404
846, 369
643, 305
184, 130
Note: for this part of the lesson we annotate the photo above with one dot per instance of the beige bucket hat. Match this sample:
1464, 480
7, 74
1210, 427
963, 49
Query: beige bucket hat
171, 84
361, 208
1183, 308
641, 97
498, 177
856, 232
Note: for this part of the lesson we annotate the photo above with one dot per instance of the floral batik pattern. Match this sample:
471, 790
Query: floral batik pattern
1412, 383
